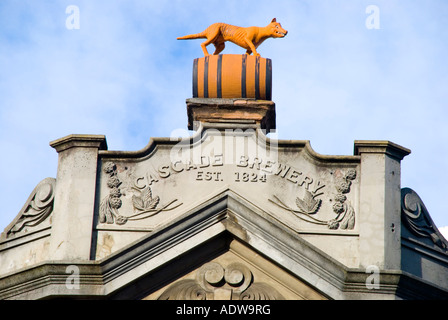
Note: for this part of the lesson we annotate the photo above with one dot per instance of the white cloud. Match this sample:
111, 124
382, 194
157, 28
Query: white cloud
444, 231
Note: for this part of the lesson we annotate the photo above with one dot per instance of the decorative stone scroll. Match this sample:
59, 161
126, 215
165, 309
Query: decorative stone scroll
37, 208
416, 218
213, 282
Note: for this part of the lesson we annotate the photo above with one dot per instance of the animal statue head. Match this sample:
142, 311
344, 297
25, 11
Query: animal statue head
276, 29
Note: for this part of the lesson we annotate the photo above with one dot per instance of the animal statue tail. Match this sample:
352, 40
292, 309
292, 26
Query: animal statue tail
193, 36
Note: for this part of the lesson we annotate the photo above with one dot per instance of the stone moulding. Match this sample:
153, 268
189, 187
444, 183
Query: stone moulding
381, 146
201, 132
79, 140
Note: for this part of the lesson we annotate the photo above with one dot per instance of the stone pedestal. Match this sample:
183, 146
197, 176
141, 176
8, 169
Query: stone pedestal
261, 112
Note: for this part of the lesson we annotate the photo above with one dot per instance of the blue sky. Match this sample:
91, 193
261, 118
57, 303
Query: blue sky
123, 74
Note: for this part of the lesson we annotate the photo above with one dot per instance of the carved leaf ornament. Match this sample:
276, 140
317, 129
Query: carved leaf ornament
145, 201
308, 204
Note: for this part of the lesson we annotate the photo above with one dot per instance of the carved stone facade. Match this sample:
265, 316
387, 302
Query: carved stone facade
227, 213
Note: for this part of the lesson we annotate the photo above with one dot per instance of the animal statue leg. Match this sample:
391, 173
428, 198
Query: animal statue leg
248, 52
211, 38
204, 47
219, 47
252, 47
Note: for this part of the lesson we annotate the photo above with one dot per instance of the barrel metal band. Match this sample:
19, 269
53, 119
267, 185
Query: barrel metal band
263, 90
219, 77
268, 84
257, 77
206, 77
195, 77
243, 77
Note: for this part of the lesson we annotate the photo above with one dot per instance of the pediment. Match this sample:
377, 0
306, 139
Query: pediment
240, 273
224, 229
143, 191
307, 191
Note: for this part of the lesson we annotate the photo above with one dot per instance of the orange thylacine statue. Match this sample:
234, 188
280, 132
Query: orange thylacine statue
248, 38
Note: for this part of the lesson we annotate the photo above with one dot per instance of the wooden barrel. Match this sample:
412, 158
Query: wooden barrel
232, 76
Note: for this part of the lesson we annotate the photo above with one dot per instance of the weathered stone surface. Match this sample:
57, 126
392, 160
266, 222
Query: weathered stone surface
75, 196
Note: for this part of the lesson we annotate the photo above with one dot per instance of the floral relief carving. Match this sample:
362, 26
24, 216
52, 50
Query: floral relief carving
309, 205
110, 204
345, 214
143, 201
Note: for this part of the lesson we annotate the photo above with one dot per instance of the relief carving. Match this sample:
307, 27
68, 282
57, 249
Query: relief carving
213, 282
416, 218
37, 208
109, 205
345, 214
143, 202
309, 204
308, 207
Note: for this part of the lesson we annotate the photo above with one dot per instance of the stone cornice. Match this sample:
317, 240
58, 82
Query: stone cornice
225, 214
381, 146
200, 135
79, 140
